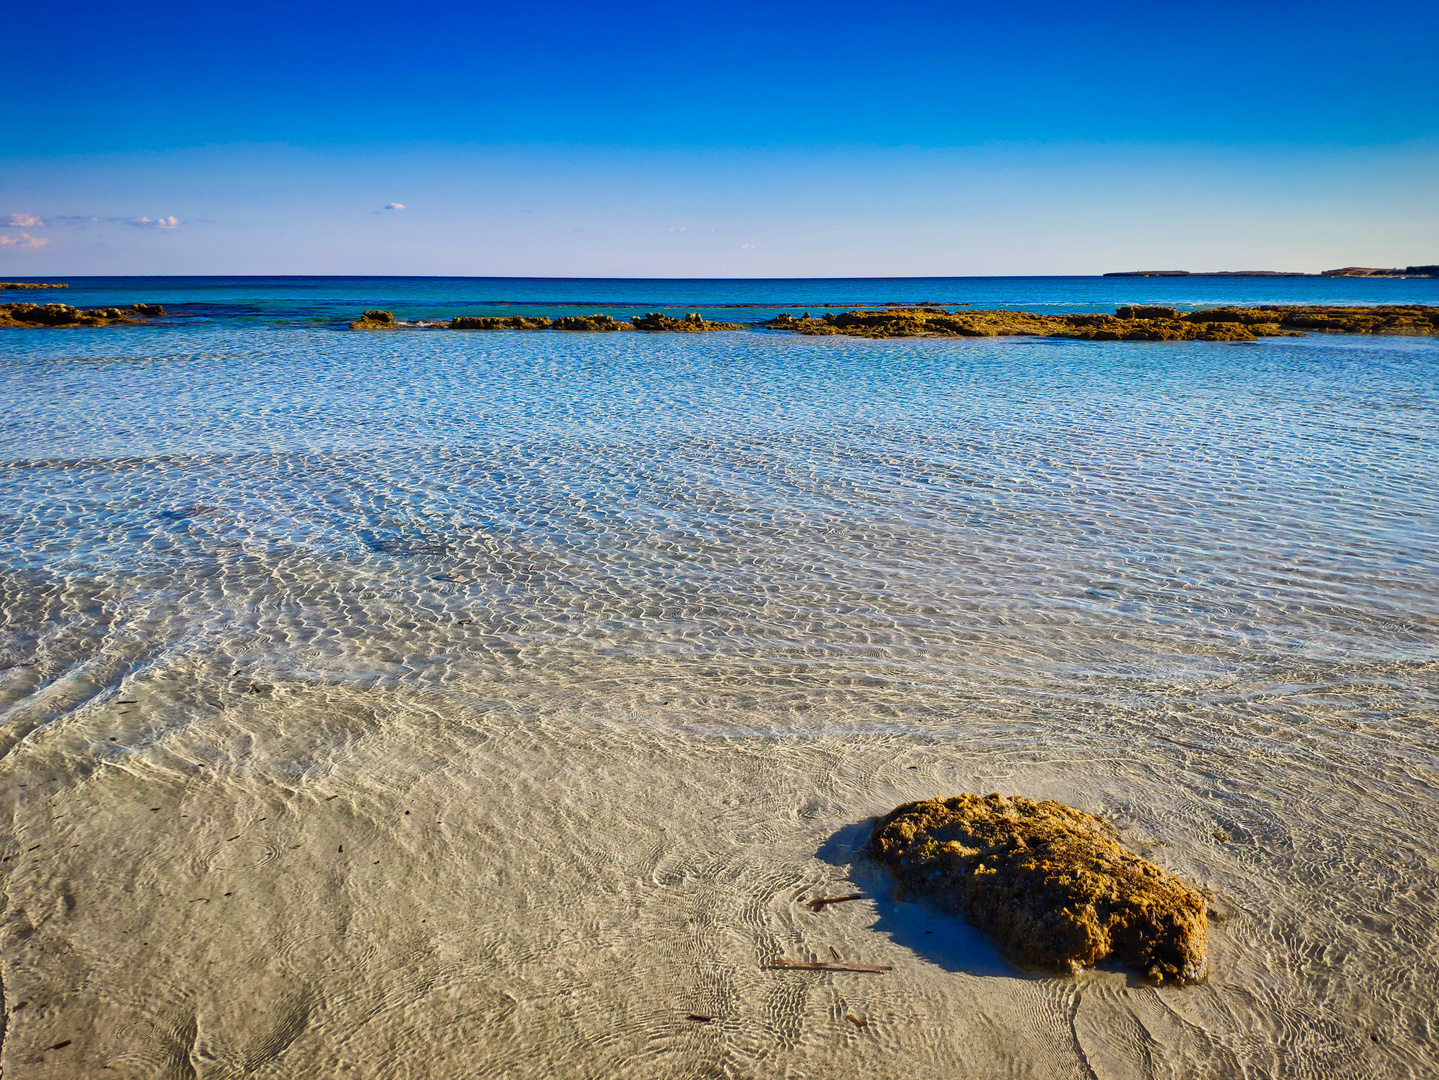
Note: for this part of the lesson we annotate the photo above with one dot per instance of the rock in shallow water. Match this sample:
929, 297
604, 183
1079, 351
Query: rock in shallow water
374, 320
1050, 883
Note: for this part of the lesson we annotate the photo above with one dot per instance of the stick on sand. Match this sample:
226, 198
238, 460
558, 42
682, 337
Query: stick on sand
807, 965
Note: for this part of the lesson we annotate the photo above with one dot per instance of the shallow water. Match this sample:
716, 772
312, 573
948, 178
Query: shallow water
440, 704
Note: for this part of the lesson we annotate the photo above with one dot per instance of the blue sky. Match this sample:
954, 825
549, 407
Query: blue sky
708, 140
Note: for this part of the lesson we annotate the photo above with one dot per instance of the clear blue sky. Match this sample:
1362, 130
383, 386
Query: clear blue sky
719, 140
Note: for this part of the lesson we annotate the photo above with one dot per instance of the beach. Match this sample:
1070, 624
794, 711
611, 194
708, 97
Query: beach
450, 704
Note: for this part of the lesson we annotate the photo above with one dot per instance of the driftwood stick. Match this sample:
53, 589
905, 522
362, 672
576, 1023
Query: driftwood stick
806, 965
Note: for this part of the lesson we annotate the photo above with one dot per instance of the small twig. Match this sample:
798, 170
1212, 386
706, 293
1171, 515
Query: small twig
807, 965
819, 903
855, 1020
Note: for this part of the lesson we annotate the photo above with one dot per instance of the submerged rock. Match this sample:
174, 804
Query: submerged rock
693, 323
500, 322
34, 315
1050, 883
374, 320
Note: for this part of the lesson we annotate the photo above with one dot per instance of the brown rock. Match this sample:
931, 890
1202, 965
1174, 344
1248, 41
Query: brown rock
1051, 884
500, 322
60, 315
374, 320
598, 322
693, 323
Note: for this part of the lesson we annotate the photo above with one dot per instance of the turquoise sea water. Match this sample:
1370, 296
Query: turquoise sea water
593, 652
332, 301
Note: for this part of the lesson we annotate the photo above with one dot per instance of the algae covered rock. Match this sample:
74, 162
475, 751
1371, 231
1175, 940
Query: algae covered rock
1132, 323
581, 323
1051, 884
60, 315
29, 285
500, 322
374, 320
693, 323
1133, 311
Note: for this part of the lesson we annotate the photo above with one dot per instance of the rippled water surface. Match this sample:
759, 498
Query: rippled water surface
454, 705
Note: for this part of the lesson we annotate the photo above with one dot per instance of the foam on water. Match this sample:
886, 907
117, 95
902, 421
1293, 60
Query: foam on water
454, 705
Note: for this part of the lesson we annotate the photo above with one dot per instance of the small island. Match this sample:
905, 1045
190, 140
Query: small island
1343, 271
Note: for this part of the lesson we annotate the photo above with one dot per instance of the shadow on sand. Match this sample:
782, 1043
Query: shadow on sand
937, 936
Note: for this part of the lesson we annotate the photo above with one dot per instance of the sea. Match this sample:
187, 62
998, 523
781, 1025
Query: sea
491, 704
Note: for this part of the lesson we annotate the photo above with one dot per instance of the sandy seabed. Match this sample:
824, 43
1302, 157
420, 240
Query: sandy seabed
500, 731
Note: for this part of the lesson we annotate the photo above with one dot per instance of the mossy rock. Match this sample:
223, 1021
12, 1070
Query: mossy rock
29, 285
1132, 311
1157, 323
580, 323
1049, 883
374, 320
60, 315
500, 322
693, 323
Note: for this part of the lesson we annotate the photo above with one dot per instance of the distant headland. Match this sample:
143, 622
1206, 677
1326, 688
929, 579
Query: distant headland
1343, 271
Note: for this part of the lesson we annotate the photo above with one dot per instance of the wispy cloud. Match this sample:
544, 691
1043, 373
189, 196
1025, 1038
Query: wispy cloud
24, 221
395, 206
25, 242
673, 229
170, 222
746, 247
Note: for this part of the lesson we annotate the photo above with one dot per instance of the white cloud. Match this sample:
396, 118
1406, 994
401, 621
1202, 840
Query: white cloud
24, 221
25, 242
157, 223
395, 206
746, 247
673, 229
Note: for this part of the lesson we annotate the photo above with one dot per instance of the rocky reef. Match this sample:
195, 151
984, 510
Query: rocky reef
59, 315
591, 323
1130, 323
374, 320
1049, 883
28, 285
693, 323
505, 322
653, 322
